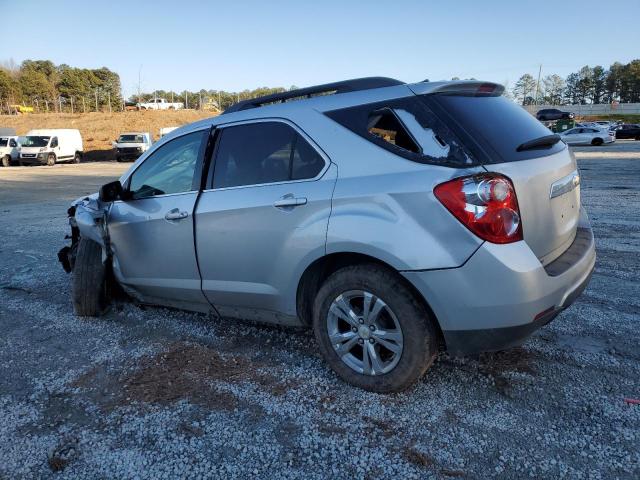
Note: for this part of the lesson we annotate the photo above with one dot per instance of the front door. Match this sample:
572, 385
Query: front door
151, 232
264, 215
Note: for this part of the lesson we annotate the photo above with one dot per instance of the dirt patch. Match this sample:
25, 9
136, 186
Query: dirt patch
416, 457
498, 364
181, 372
382, 426
62, 454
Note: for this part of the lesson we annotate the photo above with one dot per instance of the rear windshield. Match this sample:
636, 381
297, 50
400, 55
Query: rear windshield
493, 127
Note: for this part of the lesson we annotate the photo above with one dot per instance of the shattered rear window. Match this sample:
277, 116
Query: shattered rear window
408, 128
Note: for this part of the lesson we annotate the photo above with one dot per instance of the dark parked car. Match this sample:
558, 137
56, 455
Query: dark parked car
628, 131
552, 114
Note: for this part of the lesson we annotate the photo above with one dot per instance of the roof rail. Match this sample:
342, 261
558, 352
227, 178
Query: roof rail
345, 86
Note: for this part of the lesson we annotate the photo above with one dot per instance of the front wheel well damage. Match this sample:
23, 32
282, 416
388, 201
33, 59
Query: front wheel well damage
316, 273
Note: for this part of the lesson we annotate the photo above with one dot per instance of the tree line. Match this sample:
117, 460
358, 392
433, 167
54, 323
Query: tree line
590, 85
51, 88
48, 87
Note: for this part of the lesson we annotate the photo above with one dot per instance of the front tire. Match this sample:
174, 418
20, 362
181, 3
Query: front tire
89, 281
6, 161
51, 159
372, 330
77, 158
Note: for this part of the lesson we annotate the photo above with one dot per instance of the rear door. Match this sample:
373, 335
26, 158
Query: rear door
545, 177
152, 231
262, 218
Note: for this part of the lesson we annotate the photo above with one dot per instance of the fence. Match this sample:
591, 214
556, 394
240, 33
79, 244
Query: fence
597, 109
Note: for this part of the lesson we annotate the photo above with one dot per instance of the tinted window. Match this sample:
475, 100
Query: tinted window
13, 143
3, 142
54, 142
263, 152
306, 162
493, 127
170, 169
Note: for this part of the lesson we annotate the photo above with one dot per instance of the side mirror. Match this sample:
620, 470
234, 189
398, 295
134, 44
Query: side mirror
110, 192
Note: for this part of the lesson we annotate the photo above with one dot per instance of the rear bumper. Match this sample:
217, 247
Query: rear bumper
502, 294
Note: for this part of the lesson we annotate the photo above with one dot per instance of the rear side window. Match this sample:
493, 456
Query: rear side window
386, 125
493, 127
408, 128
3, 142
263, 152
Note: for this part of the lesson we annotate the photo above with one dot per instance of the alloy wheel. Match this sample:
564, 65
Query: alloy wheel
364, 332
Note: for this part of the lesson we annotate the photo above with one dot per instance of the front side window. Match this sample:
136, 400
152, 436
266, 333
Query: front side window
170, 169
54, 142
13, 143
263, 152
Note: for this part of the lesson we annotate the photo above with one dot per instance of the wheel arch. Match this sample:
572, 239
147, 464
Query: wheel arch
321, 268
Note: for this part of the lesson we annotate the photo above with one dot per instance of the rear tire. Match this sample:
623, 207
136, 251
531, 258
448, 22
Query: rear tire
89, 282
399, 311
6, 161
51, 159
596, 142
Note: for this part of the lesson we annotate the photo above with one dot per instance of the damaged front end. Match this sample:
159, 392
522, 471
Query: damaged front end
88, 219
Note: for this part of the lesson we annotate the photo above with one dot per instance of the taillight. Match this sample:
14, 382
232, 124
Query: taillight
486, 204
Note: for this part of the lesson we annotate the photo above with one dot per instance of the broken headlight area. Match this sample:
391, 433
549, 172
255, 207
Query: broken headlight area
87, 218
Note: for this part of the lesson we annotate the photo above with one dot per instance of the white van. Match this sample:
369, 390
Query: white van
8, 150
48, 146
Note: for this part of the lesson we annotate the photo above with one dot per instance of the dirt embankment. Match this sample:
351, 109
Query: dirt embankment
100, 129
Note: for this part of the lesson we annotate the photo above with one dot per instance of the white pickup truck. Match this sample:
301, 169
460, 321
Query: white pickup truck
160, 104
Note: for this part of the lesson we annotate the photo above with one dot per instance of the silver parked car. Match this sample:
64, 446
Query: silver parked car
588, 136
394, 219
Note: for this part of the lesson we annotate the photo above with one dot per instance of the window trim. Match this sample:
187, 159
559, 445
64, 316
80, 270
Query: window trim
197, 173
220, 127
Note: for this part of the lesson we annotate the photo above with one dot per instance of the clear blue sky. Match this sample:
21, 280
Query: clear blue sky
233, 45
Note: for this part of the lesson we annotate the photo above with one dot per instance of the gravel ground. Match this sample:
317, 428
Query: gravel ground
155, 393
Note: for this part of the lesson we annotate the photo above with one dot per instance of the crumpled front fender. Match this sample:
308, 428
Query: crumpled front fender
90, 218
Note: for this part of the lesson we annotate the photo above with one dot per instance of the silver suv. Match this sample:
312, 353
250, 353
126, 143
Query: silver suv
391, 218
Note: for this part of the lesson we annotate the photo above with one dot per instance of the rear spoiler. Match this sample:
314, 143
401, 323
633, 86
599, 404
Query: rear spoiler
468, 88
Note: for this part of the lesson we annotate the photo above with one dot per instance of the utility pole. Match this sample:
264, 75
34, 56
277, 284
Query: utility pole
60, 102
139, 91
71, 98
186, 99
200, 99
96, 99
108, 100
84, 105
538, 84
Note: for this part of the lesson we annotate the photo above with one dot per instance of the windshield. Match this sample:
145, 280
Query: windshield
34, 141
496, 125
131, 139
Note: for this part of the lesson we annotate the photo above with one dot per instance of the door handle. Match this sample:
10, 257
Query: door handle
289, 201
175, 214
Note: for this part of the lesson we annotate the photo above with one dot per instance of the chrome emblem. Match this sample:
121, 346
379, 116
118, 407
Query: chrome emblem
565, 184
